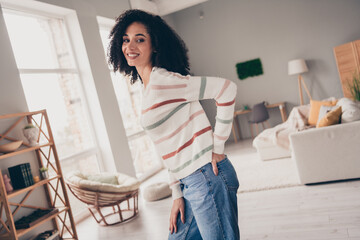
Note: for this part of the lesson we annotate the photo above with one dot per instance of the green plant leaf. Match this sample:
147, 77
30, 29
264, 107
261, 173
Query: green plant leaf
354, 86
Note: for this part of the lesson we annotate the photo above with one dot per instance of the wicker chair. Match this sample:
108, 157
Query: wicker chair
106, 202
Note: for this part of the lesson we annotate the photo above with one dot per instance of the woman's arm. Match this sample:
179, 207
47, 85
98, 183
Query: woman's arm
223, 91
175, 88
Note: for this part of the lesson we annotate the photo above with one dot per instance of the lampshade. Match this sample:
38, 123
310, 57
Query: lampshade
297, 66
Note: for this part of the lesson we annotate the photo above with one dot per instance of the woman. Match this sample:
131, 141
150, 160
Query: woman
203, 181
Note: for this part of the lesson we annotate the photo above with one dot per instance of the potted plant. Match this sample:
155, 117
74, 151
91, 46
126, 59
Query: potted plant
44, 172
31, 133
354, 87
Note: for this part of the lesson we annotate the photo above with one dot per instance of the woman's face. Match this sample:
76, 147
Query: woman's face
136, 46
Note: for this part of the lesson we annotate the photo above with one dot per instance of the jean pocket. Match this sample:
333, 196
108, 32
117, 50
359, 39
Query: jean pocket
223, 160
228, 174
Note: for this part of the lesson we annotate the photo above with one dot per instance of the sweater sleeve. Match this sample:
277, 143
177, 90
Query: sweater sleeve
223, 91
175, 187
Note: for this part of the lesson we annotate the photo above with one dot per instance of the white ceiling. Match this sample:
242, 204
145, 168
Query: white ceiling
163, 7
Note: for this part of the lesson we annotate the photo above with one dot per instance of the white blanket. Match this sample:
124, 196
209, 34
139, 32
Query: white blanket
279, 134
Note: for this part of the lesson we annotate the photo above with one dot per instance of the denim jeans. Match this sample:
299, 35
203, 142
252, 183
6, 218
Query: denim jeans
211, 211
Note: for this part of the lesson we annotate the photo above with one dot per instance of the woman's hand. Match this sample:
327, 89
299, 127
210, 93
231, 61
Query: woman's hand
178, 206
215, 159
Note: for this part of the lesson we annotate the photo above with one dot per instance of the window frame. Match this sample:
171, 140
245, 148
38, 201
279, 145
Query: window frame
60, 13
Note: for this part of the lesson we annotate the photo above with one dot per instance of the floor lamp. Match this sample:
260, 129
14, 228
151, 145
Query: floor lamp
298, 66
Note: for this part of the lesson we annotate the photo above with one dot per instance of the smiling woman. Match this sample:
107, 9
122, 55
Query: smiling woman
202, 179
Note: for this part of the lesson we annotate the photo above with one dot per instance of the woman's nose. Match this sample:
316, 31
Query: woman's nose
131, 44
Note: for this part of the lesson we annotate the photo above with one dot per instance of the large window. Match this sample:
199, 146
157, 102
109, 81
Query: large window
146, 161
51, 81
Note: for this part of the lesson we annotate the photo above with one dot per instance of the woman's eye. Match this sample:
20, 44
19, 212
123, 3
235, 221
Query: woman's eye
125, 40
140, 40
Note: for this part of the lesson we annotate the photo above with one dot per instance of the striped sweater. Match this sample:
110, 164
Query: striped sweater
175, 121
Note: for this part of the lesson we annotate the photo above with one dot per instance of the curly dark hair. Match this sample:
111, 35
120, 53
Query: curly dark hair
170, 51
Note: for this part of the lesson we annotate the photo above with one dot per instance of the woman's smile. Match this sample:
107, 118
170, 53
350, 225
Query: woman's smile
132, 55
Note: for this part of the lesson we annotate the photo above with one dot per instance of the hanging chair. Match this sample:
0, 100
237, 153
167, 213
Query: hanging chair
111, 198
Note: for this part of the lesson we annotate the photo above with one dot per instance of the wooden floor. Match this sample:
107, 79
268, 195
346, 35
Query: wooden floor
323, 211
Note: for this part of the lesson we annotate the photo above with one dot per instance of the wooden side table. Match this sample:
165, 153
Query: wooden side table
280, 105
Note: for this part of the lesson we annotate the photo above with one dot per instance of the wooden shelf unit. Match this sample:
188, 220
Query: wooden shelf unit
54, 186
28, 149
21, 232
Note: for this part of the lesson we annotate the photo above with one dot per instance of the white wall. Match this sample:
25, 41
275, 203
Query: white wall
12, 98
275, 31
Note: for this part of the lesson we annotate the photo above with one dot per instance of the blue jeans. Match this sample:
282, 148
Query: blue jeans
211, 211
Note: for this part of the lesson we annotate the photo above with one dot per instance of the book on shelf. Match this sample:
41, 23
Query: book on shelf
35, 217
48, 235
29, 174
21, 176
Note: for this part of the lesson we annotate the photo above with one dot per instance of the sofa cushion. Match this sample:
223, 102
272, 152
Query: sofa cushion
109, 178
125, 183
350, 110
315, 108
331, 118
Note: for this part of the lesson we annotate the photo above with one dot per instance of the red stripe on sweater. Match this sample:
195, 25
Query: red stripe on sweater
165, 87
226, 104
163, 103
188, 143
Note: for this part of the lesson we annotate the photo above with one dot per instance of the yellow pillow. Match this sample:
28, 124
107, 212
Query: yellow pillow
315, 108
330, 118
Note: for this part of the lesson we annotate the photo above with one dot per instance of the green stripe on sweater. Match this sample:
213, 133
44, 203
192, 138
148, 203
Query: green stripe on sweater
161, 121
202, 88
224, 121
196, 157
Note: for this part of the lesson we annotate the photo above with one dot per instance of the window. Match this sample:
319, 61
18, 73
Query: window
51, 81
146, 161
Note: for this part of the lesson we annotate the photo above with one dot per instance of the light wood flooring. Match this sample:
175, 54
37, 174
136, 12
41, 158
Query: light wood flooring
323, 211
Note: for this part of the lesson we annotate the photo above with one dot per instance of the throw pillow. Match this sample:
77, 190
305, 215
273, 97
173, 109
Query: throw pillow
108, 178
315, 108
331, 118
323, 111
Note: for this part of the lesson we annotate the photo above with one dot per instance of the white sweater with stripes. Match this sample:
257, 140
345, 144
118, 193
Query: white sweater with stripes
175, 121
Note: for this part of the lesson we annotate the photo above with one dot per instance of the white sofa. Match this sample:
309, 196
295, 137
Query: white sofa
327, 154
321, 154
